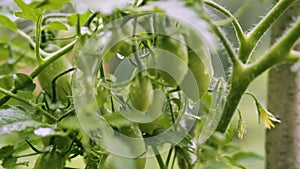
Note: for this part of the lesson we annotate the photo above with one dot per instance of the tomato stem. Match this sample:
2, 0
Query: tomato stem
31, 42
238, 29
134, 47
241, 77
232, 55
158, 158
51, 58
38, 38
260, 29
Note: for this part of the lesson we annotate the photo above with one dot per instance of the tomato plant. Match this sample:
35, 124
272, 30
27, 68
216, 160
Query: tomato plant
110, 85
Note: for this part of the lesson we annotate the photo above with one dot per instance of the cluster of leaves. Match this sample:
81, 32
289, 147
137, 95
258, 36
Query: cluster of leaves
44, 36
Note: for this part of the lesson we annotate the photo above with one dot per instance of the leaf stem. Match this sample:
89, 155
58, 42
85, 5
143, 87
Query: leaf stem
9, 93
38, 38
31, 42
294, 56
169, 157
158, 158
232, 55
134, 47
51, 58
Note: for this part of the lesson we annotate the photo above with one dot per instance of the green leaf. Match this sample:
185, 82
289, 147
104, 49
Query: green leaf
5, 21
50, 4
166, 136
55, 25
218, 165
243, 157
23, 82
6, 151
27, 12
9, 163
72, 19
230, 148
14, 119
6, 82
117, 120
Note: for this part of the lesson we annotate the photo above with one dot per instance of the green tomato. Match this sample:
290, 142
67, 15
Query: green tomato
62, 143
63, 86
116, 162
164, 121
122, 47
137, 146
53, 160
101, 95
198, 73
170, 59
140, 92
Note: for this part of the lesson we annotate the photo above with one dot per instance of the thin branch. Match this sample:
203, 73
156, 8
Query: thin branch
38, 39
54, 56
294, 56
269, 19
236, 15
260, 29
278, 53
238, 29
10, 94
158, 158
32, 43
232, 55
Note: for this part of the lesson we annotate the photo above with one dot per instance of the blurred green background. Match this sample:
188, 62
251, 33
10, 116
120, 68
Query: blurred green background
252, 12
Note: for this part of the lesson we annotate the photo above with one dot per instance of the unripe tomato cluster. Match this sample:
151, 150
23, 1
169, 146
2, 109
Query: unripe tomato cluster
169, 66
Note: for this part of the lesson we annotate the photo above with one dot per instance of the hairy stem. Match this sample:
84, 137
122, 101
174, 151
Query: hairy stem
242, 76
232, 55
238, 29
260, 29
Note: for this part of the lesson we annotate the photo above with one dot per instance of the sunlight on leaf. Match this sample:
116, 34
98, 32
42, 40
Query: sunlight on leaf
44, 131
55, 25
27, 11
14, 119
5, 21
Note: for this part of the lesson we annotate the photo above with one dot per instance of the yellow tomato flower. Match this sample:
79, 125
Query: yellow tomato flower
241, 129
241, 126
267, 117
